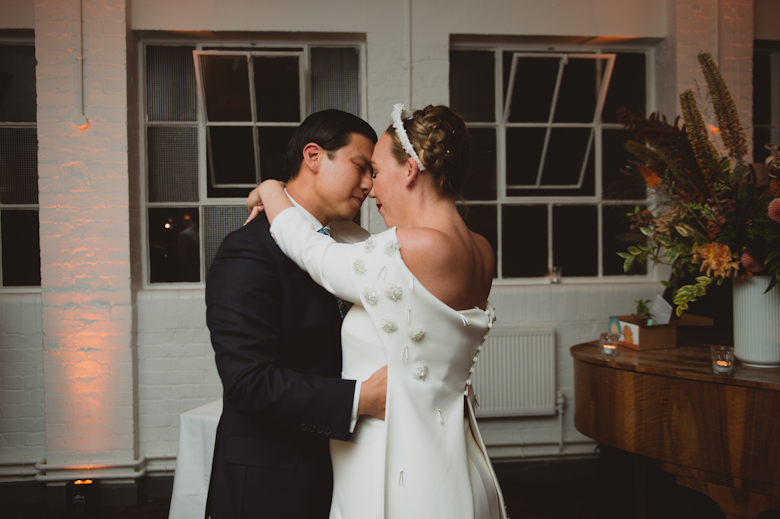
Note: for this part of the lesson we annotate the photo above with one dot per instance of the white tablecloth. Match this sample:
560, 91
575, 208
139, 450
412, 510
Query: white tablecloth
197, 436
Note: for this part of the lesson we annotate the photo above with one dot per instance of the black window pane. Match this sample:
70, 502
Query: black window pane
588, 185
567, 152
524, 241
616, 185
172, 163
523, 154
617, 238
170, 84
575, 239
277, 89
226, 85
231, 152
533, 88
21, 248
480, 183
18, 165
627, 86
472, 84
335, 79
481, 219
174, 245
580, 84
273, 147
762, 91
761, 137
17, 83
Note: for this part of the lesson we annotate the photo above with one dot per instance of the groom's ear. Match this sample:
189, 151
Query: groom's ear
313, 155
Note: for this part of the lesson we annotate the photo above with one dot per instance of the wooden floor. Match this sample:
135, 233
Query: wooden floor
598, 488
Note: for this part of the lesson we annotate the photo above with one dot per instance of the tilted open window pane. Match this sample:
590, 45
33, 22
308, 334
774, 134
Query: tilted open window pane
277, 88
524, 241
231, 156
225, 80
472, 85
21, 247
582, 80
17, 83
174, 244
627, 86
18, 165
335, 79
530, 82
170, 84
565, 162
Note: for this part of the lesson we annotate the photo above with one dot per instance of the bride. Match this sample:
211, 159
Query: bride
420, 291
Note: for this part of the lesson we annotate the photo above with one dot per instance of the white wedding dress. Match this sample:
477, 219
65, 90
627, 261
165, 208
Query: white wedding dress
426, 459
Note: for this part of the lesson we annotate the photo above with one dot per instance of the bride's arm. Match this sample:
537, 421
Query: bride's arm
326, 261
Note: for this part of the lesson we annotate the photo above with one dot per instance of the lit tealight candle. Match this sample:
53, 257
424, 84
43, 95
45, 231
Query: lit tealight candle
608, 349
722, 366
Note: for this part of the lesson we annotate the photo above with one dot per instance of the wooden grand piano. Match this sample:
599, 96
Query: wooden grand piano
718, 434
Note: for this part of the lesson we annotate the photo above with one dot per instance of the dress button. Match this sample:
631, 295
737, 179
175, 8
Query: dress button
303, 427
327, 431
319, 429
312, 428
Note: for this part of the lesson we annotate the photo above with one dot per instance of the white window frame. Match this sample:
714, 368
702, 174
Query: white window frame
550, 201
26, 288
232, 47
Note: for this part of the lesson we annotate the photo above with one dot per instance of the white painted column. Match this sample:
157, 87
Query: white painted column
85, 239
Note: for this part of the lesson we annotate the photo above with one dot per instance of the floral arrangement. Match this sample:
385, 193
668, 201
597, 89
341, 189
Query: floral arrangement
710, 212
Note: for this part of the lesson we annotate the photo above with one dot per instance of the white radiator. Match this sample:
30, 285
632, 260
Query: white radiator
515, 374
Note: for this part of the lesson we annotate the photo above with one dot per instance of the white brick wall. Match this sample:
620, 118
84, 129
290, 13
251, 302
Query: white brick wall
176, 370
22, 425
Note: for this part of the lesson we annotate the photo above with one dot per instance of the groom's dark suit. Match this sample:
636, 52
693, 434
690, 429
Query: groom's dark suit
276, 336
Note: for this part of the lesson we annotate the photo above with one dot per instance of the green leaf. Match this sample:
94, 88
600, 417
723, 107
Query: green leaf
725, 166
624, 255
666, 242
667, 284
647, 231
703, 279
634, 250
673, 253
772, 255
628, 263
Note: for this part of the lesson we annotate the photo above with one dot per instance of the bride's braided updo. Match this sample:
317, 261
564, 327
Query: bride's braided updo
440, 138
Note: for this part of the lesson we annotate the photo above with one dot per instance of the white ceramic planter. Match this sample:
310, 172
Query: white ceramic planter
756, 323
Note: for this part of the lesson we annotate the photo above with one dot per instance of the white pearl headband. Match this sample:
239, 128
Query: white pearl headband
400, 131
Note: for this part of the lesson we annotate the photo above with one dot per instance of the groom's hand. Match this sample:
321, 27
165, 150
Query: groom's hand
373, 395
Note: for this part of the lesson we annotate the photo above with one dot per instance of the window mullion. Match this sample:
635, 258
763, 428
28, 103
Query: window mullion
562, 63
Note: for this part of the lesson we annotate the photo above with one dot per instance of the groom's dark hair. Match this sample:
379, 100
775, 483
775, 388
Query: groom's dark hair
331, 129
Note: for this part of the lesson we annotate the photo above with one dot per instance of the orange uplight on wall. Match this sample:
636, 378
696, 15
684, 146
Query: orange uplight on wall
80, 122
83, 482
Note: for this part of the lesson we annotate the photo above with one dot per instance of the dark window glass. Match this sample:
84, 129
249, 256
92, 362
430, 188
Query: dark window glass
761, 136
627, 87
277, 89
533, 89
472, 84
582, 79
524, 241
17, 83
617, 185
567, 151
575, 239
174, 245
273, 147
18, 165
226, 85
172, 153
762, 91
170, 84
21, 248
523, 153
480, 183
231, 154
335, 79
616, 238
481, 219
587, 189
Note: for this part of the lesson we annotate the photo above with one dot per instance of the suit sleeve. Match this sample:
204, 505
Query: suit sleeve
243, 314
327, 262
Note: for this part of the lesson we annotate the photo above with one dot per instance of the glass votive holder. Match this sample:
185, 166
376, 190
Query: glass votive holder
555, 274
722, 359
609, 342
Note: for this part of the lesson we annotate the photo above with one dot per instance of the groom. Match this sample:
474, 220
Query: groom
276, 338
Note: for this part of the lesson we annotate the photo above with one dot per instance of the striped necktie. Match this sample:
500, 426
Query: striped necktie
344, 306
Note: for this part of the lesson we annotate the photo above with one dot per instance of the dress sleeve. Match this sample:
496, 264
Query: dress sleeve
327, 262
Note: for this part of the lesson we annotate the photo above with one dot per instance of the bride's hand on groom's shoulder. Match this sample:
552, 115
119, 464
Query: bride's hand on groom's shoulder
254, 202
373, 395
